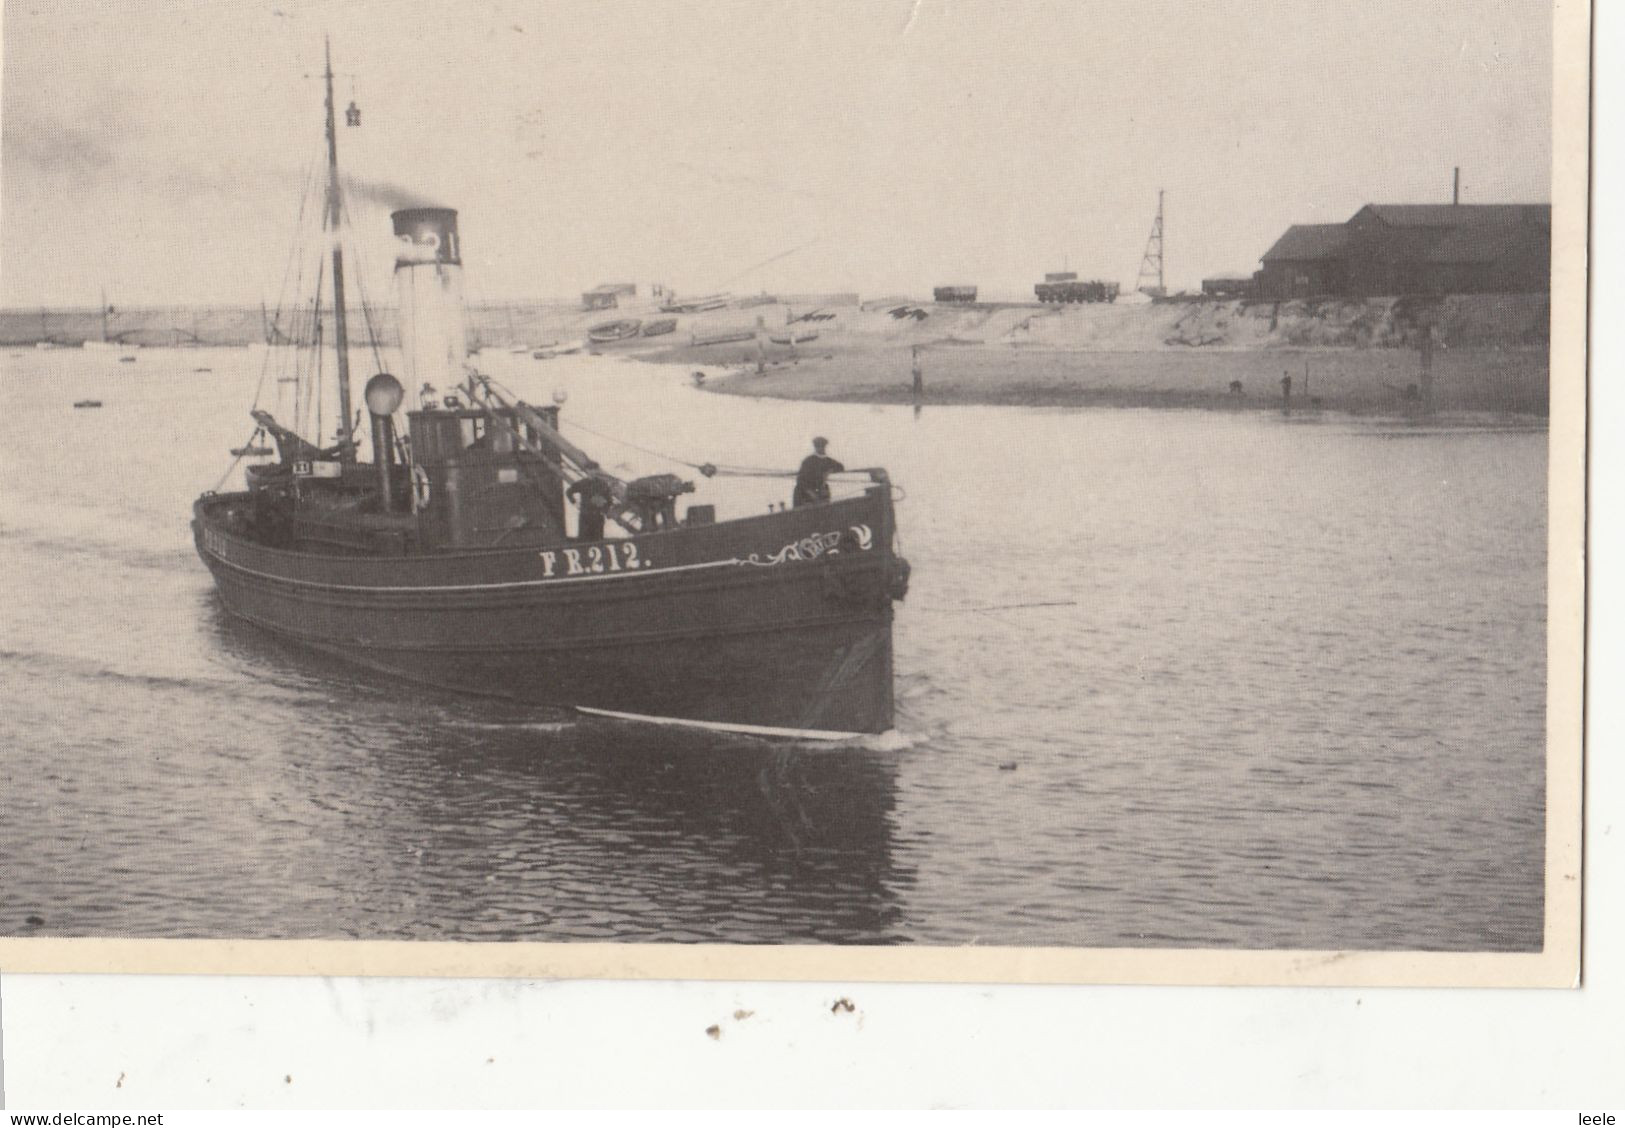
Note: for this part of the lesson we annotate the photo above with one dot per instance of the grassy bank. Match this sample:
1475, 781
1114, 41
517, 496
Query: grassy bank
1368, 381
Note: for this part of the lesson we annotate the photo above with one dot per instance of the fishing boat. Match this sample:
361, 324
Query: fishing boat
607, 332
87, 403
793, 338
457, 555
659, 327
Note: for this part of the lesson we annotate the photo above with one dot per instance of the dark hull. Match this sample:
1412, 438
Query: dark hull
781, 620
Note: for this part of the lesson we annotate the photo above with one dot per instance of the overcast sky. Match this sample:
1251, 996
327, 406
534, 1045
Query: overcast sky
156, 147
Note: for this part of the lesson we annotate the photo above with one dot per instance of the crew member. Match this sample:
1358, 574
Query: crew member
812, 480
593, 497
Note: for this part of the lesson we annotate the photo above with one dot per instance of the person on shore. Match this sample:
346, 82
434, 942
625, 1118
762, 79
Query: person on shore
593, 497
812, 480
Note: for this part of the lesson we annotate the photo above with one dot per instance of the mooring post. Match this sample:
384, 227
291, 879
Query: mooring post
1425, 346
919, 377
1286, 393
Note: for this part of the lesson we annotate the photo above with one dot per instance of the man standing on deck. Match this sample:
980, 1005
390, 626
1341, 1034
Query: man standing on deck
812, 480
594, 497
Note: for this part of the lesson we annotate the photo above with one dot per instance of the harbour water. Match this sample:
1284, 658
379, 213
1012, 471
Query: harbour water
1281, 686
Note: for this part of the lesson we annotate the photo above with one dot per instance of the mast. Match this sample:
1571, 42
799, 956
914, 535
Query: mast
104, 314
340, 329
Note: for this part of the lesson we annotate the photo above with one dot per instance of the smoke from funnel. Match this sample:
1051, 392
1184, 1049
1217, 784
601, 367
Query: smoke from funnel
388, 195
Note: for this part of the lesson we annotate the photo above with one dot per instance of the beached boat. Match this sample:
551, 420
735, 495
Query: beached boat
695, 305
450, 560
793, 338
87, 403
728, 338
659, 327
566, 348
606, 332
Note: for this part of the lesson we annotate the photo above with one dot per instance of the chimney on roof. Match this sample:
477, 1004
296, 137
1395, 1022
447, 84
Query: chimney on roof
1455, 192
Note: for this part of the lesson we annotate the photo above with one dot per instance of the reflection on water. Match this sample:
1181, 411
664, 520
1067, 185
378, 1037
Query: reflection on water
480, 820
1287, 691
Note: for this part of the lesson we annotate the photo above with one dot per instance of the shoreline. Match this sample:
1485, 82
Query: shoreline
1477, 381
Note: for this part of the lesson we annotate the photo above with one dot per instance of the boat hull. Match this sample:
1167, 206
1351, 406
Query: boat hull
611, 331
782, 620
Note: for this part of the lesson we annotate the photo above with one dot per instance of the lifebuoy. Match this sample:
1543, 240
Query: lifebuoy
420, 488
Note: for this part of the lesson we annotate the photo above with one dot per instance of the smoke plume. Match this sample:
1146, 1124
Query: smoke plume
387, 195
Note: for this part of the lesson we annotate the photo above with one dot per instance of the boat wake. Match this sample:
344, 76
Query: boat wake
55, 527
514, 726
892, 740
57, 667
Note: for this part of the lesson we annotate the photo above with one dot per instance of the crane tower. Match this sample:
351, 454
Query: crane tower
1150, 280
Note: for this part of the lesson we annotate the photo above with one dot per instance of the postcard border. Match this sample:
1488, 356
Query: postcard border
1557, 965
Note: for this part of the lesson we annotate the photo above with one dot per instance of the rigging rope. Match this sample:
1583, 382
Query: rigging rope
294, 260
361, 286
302, 332
706, 468
709, 469
274, 360
243, 446
770, 260
316, 377
701, 467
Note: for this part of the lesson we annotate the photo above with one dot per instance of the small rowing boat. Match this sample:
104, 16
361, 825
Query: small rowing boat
606, 332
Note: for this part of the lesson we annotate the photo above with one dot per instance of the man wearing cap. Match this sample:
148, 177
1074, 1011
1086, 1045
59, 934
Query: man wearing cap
593, 495
812, 480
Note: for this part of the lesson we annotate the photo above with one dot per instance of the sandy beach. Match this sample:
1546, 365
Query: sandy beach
1490, 356
1354, 355
1355, 380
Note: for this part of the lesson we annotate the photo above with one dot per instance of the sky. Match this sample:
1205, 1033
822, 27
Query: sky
156, 149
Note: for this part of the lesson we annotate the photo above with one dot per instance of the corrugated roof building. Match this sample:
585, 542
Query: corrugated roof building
607, 295
1310, 259
1390, 249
